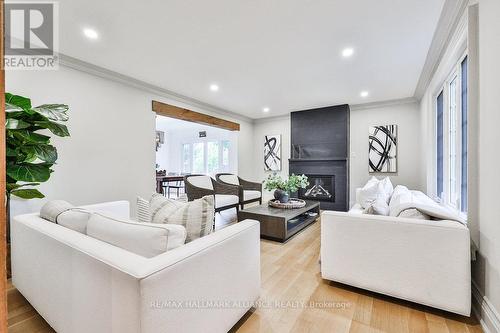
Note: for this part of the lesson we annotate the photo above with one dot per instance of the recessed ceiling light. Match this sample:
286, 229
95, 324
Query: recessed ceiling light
90, 33
214, 87
266, 109
364, 94
347, 52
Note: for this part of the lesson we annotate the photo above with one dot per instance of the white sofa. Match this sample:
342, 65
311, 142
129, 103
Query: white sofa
426, 262
80, 284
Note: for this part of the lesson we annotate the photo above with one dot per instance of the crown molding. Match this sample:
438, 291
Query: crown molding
285, 116
453, 11
391, 102
86, 67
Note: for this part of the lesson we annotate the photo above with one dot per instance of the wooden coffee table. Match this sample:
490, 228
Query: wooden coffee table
281, 224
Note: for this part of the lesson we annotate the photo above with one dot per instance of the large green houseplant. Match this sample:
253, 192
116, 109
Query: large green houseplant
30, 154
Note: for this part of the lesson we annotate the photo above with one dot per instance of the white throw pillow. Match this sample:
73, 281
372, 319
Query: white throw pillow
145, 239
369, 193
196, 216
388, 188
378, 207
374, 189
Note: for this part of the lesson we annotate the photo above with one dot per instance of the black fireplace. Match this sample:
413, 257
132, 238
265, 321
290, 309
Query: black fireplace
320, 188
320, 150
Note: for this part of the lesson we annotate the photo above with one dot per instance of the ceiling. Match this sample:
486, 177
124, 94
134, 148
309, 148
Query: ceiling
281, 54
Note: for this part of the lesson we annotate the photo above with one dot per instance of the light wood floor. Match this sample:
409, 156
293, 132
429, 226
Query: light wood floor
290, 274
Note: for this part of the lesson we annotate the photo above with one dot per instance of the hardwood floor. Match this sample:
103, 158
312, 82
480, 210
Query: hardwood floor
290, 273
290, 280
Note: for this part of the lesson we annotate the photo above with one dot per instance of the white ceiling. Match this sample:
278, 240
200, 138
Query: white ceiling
284, 54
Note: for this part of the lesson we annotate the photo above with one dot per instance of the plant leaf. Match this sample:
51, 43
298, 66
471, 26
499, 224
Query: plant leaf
20, 101
57, 129
44, 152
28, 193
29, 172
12, 186
16, 124
55, 112
11, 152
27, 136
12, 108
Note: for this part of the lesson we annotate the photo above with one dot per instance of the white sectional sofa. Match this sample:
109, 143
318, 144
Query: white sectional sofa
80, 284
423, 261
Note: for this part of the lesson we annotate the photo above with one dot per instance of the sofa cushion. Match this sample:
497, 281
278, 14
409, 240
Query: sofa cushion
196, 216
251, 194
66, 215
223, 200
230, 179
75, 219
145, 239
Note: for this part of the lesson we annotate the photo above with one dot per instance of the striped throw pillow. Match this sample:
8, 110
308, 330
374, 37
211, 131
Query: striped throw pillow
196, 216
143, 212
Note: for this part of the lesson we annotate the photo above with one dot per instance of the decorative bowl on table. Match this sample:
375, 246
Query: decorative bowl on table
291, 204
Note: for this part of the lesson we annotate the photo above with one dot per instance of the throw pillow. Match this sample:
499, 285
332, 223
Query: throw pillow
413, 213
378, 207
388, 188
369, 193
143, 212
145, 239
196, 216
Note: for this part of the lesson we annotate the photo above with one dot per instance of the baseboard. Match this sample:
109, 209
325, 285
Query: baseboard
485, 311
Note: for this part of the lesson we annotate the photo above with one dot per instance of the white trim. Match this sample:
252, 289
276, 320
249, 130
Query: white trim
98, 71
485, 311
391, 102
451, 15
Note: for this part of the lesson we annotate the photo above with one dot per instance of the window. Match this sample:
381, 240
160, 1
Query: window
206, 157
440, 146
198, 157
212, 157
186, 158
451, 139
225, 155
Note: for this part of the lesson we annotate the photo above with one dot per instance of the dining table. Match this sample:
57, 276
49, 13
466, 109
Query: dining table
160, 179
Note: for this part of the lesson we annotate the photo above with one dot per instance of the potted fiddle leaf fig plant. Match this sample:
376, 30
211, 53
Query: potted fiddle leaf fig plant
283, 188
29, 153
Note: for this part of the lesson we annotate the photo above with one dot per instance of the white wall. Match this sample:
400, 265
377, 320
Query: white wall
407, 117
111, 152
487, 269
270, 126
484, 117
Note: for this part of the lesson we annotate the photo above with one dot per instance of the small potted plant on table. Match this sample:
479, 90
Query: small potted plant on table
282, 188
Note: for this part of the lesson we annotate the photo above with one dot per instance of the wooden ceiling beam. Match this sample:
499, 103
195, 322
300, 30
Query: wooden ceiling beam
176, 112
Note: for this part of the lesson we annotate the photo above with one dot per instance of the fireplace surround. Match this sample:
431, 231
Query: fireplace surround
320, 150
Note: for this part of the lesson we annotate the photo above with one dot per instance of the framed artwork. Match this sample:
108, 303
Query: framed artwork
382, 148
272, 152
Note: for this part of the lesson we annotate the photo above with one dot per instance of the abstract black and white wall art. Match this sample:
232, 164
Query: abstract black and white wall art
272, 153
382, 151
